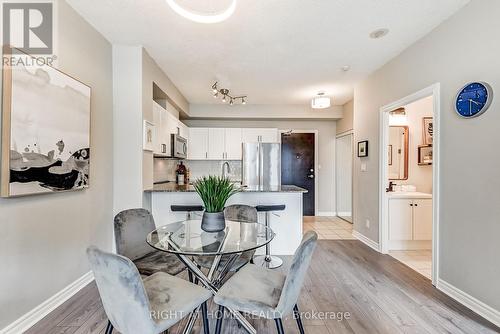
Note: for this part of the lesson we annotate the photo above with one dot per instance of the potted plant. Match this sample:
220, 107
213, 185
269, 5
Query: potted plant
214, 192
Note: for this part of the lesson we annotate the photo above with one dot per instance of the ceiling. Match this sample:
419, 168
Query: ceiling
276, 52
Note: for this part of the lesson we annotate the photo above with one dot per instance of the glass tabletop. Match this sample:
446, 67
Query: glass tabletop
187, 238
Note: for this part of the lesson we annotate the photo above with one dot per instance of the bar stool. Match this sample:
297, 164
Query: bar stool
268, 260
187, 208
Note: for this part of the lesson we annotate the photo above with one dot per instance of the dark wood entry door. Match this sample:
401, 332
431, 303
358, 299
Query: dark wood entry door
297, 165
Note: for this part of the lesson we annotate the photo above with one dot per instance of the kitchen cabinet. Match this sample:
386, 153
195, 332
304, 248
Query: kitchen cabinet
254, 135
422, 218
225, 143
165, 125
198, 144
233, 143
216, 143
410, 219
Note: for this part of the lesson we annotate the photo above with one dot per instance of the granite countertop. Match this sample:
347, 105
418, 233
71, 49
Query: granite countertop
173, 187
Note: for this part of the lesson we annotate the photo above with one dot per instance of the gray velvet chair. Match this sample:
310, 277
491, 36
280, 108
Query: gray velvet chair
237, 212
131, 228
268, 293
148, 306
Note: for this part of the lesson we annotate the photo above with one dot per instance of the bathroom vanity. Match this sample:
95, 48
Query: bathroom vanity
410, 220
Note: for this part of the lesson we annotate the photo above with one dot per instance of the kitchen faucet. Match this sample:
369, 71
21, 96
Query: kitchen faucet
224, 169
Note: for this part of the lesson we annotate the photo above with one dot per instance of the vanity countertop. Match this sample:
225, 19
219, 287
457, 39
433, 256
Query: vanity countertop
409, 194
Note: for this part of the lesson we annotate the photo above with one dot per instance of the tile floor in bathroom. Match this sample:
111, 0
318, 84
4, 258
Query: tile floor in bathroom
328, 228
418, 260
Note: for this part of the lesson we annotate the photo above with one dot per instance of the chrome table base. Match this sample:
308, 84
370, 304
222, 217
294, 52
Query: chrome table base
267, 261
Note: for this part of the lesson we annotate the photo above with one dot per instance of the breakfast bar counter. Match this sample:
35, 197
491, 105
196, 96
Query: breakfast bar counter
287, 224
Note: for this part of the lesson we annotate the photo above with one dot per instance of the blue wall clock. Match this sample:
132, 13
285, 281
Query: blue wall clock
473, 99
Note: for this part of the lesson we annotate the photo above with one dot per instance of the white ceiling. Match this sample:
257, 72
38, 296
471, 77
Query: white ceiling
275, 51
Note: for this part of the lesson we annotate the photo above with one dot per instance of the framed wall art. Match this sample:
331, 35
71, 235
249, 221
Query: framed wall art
363, 149
427, 130
45, 131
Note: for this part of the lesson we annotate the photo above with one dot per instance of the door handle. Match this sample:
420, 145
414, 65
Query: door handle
310, 176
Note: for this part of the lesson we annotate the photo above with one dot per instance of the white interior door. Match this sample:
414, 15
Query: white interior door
343, 184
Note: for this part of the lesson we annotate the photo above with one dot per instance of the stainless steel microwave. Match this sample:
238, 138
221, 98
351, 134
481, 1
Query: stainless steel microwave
179, 147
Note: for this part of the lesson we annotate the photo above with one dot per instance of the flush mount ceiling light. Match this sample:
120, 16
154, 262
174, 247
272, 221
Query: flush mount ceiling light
209, 17
379, 33
224, 92
320, 101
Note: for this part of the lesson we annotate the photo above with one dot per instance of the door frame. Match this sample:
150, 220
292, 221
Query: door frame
316, 161
340, 135
434, 91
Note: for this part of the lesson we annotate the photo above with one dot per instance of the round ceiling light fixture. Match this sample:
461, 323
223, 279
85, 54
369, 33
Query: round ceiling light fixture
379, 33
203, 18
320, 101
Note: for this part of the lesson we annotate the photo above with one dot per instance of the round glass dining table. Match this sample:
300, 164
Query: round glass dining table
188, 241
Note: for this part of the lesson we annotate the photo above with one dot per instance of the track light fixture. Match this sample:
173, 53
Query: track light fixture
226, 95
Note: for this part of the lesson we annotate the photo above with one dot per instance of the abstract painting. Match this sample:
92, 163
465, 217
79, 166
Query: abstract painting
45, 131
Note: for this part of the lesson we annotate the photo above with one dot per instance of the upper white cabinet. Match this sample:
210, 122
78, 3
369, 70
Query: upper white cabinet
216, 143
225, 143
254, 135
198, 144
233, 143
166, 124
410, 219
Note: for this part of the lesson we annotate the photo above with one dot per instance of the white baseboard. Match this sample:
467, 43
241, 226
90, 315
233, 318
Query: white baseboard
326, 214
486, 311
367, 241
38, 313
344, 213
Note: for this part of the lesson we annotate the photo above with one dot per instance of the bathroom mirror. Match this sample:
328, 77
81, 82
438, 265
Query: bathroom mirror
398, 152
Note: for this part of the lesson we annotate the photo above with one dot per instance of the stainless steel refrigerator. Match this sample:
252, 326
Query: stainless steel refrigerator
261, 165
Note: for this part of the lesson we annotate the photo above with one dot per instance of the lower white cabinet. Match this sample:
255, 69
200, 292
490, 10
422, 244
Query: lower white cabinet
410, 219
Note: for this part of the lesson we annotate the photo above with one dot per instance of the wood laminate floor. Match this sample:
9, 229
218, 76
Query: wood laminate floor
349, 289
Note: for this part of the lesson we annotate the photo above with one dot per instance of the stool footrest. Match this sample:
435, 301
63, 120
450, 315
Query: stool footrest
186, 208
267, 208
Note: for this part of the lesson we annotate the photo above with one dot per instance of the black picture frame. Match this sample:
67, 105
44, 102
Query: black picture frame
363, 149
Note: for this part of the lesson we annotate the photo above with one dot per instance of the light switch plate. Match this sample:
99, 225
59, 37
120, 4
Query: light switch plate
363, 167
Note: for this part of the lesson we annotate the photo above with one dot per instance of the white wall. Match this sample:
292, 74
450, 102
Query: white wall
127, 132
44, 237
462, 49
326, 143
346, 122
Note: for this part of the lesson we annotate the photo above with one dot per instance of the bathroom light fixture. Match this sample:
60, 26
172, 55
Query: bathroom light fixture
213, 17
320, 101
398, 117
225, 95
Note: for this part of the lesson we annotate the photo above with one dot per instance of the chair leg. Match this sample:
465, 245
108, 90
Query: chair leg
190, 275
109, 328
204, 312
296, 314
279, 326
220, 317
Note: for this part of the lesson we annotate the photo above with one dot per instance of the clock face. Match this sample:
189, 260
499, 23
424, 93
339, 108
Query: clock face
473, 99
